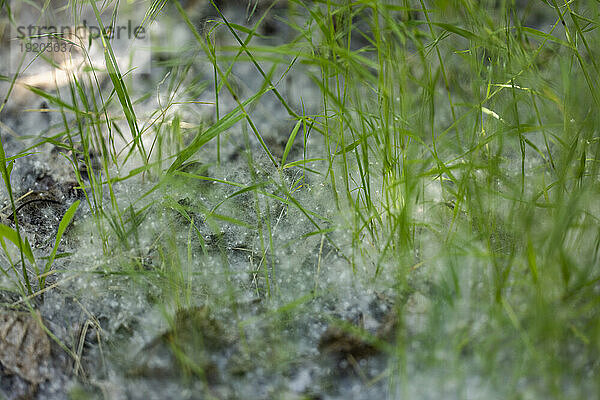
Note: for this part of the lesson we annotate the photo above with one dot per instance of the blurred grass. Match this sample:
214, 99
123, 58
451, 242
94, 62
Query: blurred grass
459, 142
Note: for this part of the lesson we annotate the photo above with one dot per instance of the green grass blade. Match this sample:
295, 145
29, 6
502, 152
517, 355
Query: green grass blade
120, 88
62, 226
290, 141
5, 171
9, 233
220, 126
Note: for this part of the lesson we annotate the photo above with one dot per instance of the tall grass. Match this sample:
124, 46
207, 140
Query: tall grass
502, 116
458, 141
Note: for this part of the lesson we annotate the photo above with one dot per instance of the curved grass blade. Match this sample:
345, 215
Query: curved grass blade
62, 226
114, 73
24, 248
9, 233
290, 141
222, 125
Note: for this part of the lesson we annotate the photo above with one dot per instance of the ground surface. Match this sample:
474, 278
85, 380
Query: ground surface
238, 278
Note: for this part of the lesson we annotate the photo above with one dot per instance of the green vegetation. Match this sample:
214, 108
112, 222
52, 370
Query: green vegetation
451, 159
